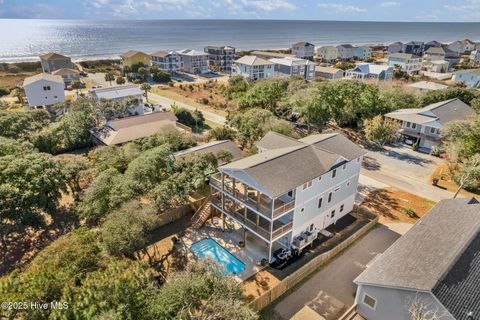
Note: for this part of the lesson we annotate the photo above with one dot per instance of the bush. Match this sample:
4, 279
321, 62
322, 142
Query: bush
436, 151
120, 80
410, 212
189, 118
161, 76
4, 92
204, 101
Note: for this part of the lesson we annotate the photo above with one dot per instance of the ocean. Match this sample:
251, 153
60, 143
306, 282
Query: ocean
24, 40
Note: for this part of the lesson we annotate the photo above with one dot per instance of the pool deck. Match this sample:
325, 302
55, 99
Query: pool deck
253, 252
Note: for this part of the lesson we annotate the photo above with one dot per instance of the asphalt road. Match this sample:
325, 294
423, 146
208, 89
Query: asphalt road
330, 291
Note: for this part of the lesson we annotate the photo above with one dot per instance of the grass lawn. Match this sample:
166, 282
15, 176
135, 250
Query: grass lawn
445, 181
11, 80
393, 205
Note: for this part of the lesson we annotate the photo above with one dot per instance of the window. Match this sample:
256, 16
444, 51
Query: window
336, 189
332, 214
341, 208
414, 125
303, 209
320, 202
330, 197
432, 130
46, 88
408, 124
307, 185
344, 167
311, 227
369, 301
348, 183
334, 173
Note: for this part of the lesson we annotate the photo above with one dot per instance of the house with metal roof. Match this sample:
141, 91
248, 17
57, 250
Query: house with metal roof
53, 61
253, 68
131, 96
288, 67
370, 71
434, 269
303, 50
128, 129
44, 89
290, 191
422, 127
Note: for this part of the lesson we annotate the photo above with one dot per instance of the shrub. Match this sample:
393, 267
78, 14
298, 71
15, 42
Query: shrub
4, 92
161, 76
410, 212
204, 101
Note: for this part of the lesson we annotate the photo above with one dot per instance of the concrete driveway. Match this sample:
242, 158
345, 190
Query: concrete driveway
405, 169
330, 291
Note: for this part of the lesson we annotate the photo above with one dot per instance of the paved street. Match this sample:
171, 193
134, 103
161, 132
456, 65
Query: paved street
404, 169
330, 291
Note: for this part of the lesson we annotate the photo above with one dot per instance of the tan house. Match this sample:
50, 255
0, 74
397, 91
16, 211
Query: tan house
68, 75
133, 57
53, 61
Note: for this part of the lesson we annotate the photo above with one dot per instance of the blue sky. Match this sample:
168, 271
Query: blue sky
366, 10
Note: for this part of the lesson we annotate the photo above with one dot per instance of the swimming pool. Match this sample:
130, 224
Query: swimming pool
209, 248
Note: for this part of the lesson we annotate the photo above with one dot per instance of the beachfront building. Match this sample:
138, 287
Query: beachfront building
395, 47
328, 73
303, 50
253, 68
433, 269
370, 71
441, 53
44, 89
194, 61
470, 77
405, 61
345, 51
436, 66
221, 58
133, 58
415, 48
270, 55
423, 86
291, 190
462, 46
120, 131
475, 56
432, 44
167, 61
327, 53
53, 61
288, 67
68, 75
362, 52
422, 127
132, 96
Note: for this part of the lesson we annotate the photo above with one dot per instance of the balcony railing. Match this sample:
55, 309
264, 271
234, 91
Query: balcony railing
282, 230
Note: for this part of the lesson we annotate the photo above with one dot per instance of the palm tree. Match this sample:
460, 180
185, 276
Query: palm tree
109, 76
146, 87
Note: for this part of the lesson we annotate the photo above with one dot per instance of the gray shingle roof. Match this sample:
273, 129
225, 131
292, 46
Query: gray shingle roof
425, 254
213, 147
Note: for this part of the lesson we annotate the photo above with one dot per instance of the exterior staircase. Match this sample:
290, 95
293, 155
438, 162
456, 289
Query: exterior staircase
201, 215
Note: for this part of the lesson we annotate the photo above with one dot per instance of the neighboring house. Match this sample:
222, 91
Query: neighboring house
167, 61
441, 53
434, 269
128, 129
328, 73
327, 53
423, 126
44, 89
462, 46
287, 67
437, 66
414, 47
395, 47
432, 44
213, 147
194, 61
362, 52
345, 51
53, 61
221, 58
406, 61
427, 86
291, 190
132, 57
270, 55
303, 50
68, 75
471, 77
253, 68
468, 44
370, 71
475, 56
123, 94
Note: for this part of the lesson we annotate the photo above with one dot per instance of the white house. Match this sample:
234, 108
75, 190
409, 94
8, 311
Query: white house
441, 53
194, 61
475, 56
406, 61
303, 50
471, 77
253, 68
327, 53
370, 71
345, 51
44, 89
436, 66
132, 95
287, 67
328, 73
291, 190
167, 61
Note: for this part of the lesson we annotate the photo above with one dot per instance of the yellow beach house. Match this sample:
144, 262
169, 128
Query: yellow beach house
133, 57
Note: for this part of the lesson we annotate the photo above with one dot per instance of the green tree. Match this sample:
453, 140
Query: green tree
125, 231
22, 125
397, 97
221, 133
146, 88
464, 94
161, 76
143, 72
176, 141
345, 65
468, 175
251, 125
76, 85
381, 130
116, 157
310, 106
109, 76
189, 118
120, 80
266, 94
75, 169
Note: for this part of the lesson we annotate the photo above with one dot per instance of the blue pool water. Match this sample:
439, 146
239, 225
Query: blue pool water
209, 248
